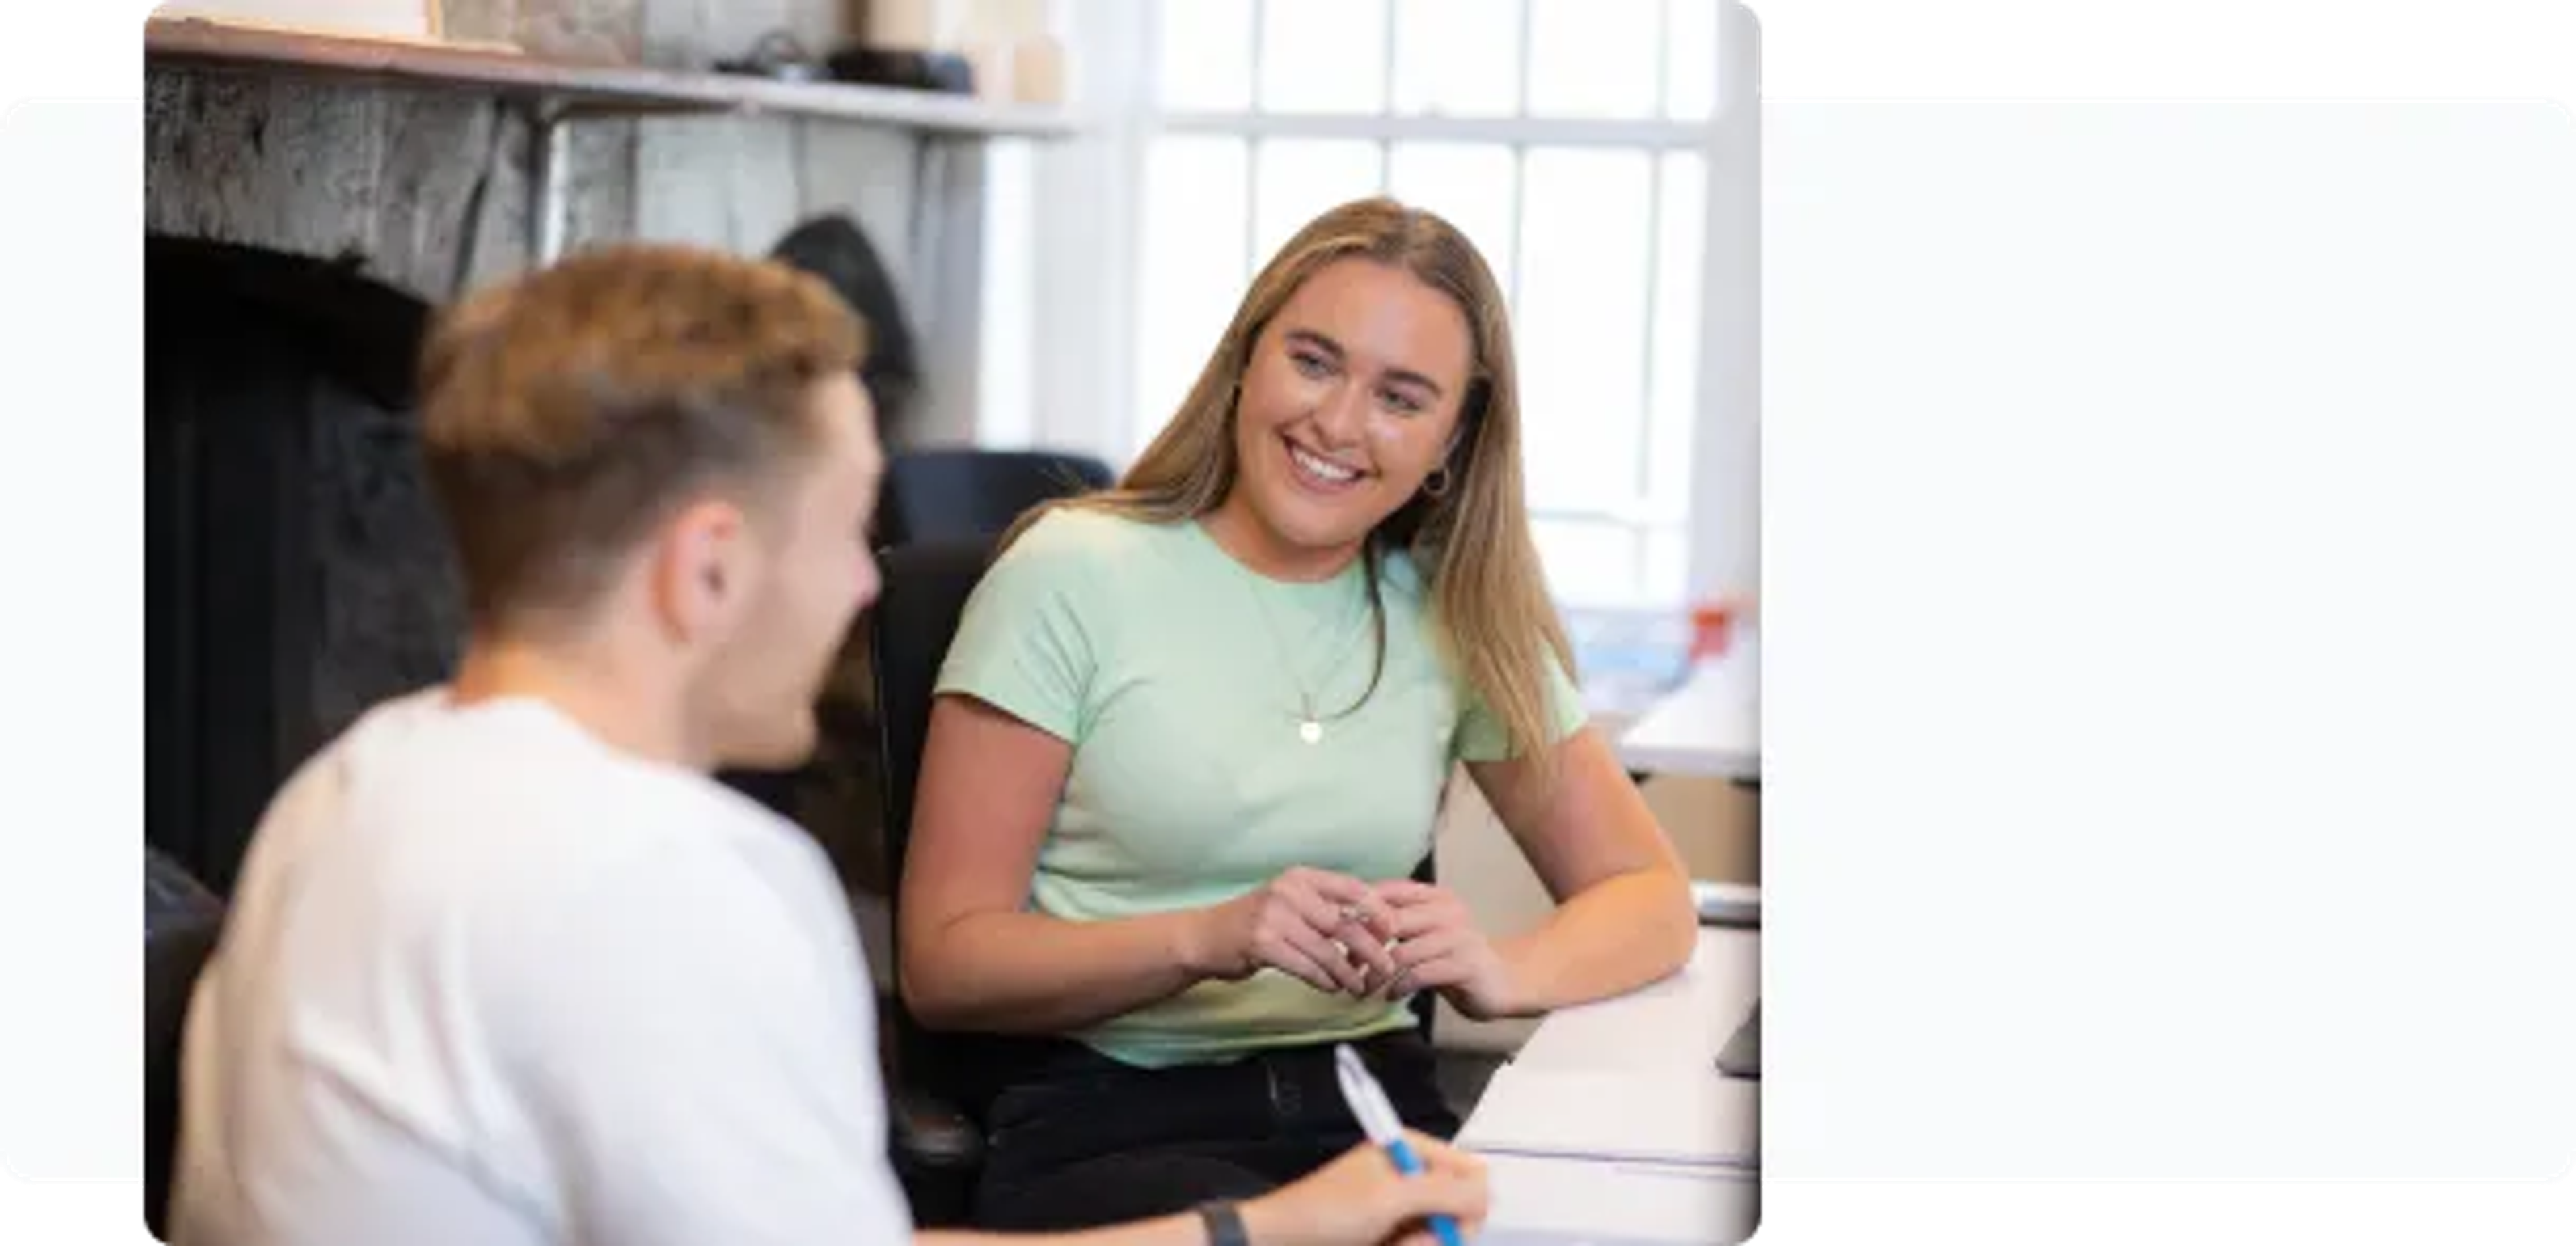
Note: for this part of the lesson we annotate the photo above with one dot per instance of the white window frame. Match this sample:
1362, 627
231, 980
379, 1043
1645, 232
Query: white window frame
1079, 361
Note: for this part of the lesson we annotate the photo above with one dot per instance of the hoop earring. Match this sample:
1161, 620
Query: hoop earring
1437, 483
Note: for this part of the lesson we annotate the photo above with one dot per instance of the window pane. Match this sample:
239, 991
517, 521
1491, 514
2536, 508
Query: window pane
1324, 56
1457, 58
1681, 231
1206, 58
1690, 60
1594, 58
1581, 325
1588, 562
1193, 267
1666, 578
1468, 183
1299, 178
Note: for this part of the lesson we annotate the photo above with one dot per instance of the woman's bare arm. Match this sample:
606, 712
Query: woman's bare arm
974, 957
1624, 916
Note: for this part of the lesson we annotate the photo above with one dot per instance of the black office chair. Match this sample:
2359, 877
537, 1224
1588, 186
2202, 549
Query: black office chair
181, 922
938, 1144
940, 1080
963, 495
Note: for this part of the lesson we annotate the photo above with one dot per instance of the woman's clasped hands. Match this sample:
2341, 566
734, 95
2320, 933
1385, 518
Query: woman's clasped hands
1346, 935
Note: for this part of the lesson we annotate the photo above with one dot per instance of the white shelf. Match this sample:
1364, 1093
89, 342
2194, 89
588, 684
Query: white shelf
579, 87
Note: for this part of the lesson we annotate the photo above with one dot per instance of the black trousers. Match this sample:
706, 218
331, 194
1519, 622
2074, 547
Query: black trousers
1078, 1140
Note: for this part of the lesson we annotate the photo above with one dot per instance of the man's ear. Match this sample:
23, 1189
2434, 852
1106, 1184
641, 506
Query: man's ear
703, 564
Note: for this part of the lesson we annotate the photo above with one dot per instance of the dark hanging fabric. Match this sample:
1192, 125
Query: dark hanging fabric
834, 248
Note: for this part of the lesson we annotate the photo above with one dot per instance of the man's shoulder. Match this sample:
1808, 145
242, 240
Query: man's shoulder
510, 805
480, 922
619, 824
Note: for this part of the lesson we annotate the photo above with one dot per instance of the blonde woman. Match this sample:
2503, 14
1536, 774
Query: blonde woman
1192, 736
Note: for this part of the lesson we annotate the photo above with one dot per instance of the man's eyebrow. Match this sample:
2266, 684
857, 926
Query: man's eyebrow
1406, 376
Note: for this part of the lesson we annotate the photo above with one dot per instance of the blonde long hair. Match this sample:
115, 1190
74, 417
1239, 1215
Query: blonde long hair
1489, 601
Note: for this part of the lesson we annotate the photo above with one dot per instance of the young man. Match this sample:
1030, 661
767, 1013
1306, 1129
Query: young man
504, 964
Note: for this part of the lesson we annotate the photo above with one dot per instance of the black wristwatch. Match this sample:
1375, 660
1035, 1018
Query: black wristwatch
1224, 1224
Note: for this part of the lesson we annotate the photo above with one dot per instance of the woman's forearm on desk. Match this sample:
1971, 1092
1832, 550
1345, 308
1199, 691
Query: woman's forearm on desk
1625, 917
1620, 934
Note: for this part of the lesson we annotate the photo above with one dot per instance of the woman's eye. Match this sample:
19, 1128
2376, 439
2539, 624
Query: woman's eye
1403, 402
1309, 363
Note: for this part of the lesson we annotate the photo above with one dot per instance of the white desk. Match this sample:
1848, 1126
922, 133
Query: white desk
1672, 1028
1711, 725
1678, 1023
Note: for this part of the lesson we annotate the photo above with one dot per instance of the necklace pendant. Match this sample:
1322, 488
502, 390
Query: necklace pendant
1310, 731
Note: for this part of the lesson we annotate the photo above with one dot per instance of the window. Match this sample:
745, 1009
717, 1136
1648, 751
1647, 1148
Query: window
1568, 138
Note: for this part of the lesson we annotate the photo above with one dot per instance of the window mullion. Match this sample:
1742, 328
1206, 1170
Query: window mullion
1386, 101
1252, 257
1521, 71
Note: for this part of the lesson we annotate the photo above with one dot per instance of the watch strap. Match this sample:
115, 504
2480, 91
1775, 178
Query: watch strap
1224, 1223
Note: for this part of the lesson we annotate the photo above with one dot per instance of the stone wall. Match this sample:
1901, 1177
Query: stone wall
390, 175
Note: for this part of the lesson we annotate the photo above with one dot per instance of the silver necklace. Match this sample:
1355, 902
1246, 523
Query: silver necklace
1310, 725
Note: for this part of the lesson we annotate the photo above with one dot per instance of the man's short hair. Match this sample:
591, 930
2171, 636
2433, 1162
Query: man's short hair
566, 412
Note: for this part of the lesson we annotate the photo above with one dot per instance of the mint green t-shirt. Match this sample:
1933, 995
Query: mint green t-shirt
1167, 666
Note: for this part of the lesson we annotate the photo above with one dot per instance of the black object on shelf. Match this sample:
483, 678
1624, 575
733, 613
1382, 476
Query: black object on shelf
779, 55
945, 72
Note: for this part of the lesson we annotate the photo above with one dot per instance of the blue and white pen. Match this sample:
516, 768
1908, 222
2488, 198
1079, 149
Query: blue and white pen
1378, 1120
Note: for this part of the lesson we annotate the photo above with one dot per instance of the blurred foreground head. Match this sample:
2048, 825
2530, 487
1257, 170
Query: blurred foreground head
665, 453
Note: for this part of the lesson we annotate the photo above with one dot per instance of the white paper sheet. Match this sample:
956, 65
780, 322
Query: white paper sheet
1650, 1116
1561, 1202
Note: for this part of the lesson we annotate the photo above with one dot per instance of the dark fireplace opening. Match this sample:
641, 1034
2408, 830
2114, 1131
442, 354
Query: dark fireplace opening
296, 570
